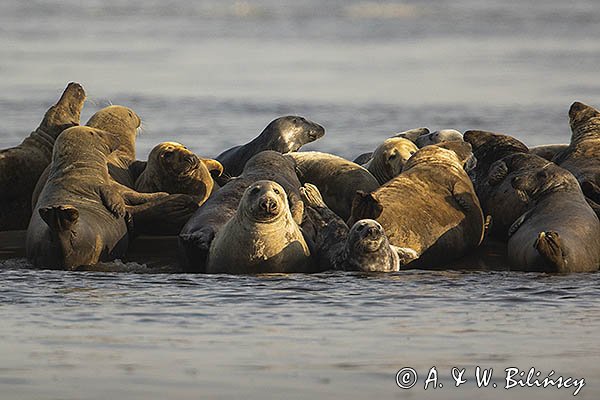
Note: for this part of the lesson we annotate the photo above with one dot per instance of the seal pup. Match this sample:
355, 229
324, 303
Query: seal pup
431, 207
441, 136
491, 178
365, 247
582, 156
261, 237
198, 233
548, 151
337, 178
560, 232
22, 166
172, 168
80, 217
389, 158
284, 134
411, 134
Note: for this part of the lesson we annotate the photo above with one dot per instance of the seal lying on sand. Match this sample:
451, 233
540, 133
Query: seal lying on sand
491, 178
198, 233
22, 166
172, 168
389, 158
80, 217
582, 157
337, 178
284, 134
431, 207
560, 232
437, 137
411, 135
262, 236
365, 247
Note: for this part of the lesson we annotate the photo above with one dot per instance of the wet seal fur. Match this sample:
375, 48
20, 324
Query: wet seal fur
198, 233
560, 232
22, 166
284, 134
172, 168
431, 207
262, 236
81, 216
364, 248
491, 178
338, 179
582, 156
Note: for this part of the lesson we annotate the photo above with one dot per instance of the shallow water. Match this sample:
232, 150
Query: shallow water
212, 74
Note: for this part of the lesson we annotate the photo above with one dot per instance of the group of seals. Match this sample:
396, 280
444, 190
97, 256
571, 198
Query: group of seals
420, 200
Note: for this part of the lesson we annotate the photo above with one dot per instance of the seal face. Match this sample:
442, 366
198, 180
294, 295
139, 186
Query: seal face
389, 158
284, 135
441, 136
431, 207
582, 156
559, 232
198, 233
172, 168
265, 237
365, 247
22, 166
337, 178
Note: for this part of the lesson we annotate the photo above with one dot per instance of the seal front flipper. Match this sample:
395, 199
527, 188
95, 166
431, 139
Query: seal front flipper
462, 196
518, 222
405, 254
113, 201
549, 247
497, 172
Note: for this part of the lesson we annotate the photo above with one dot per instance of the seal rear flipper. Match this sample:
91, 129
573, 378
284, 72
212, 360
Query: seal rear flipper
59, 218
413, 134
497, 172
548, 245
66, 112
312, 196
518, 222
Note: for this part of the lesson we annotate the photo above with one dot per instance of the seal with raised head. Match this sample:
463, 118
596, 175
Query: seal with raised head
560, 232
172, 168
437, 137
261, 237
198, 233
389, 158
364, 247
284, 134
491, 178
411, 134
431, 207
22, 166
81, 215
337, 178
582, 156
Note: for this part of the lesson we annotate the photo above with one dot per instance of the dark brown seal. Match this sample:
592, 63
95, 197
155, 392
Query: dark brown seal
284, 134
22, 166
559, 232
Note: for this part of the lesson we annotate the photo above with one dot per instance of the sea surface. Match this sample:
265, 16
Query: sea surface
213, 74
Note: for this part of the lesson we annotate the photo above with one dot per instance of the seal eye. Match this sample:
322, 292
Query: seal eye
412, 152
276, 191
360, 228
167, 155
255, 190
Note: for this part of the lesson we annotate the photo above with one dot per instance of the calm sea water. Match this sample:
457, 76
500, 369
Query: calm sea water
212, 74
